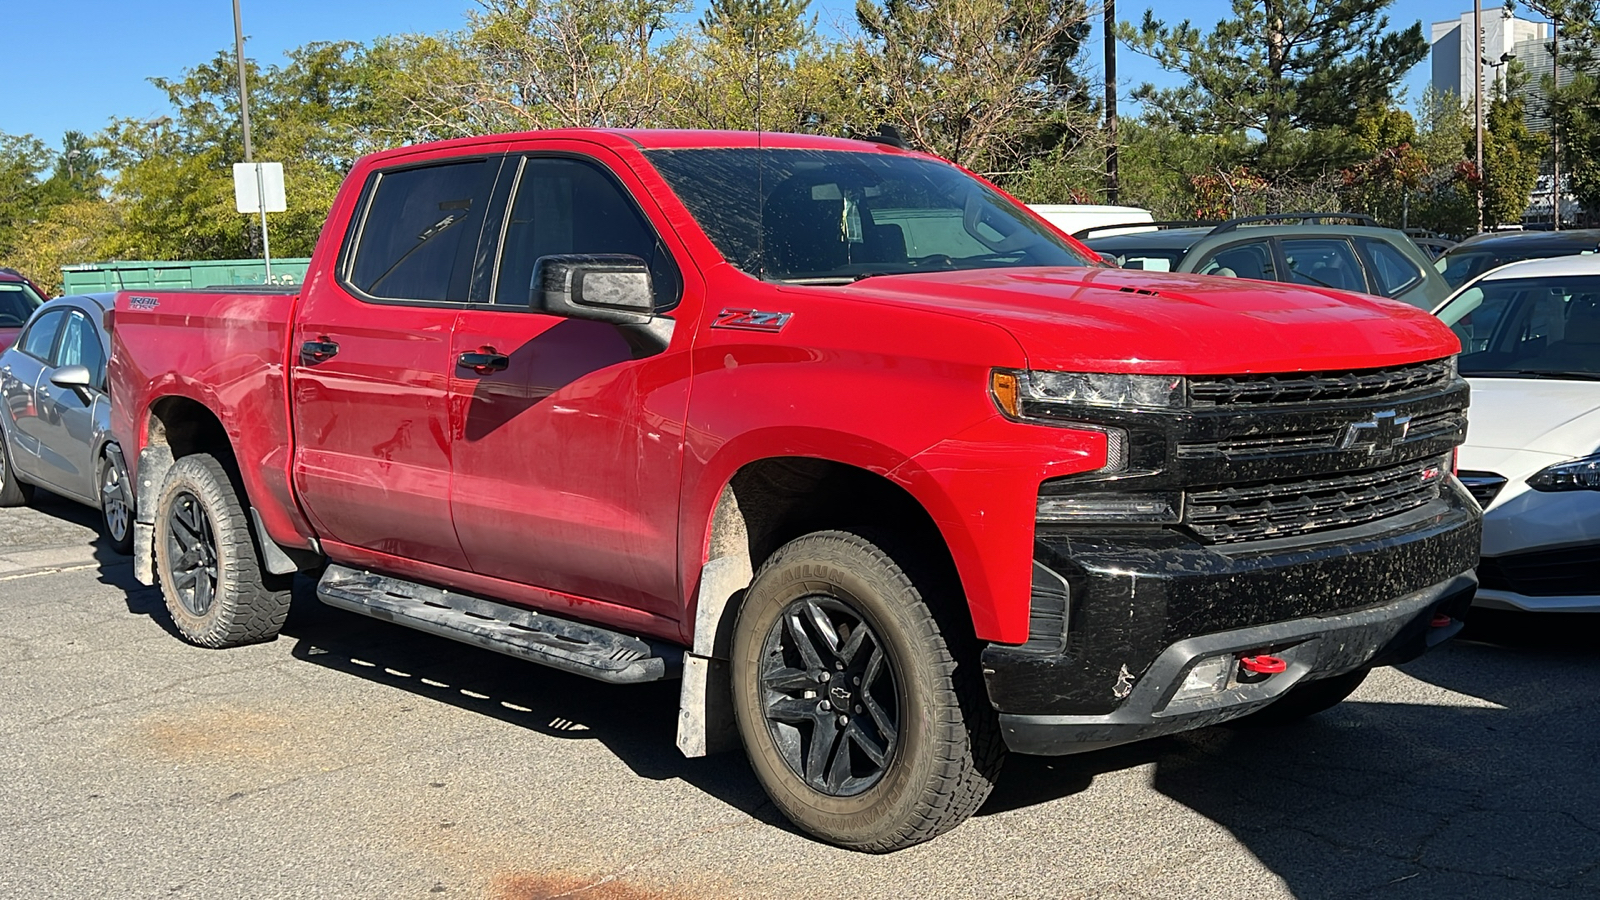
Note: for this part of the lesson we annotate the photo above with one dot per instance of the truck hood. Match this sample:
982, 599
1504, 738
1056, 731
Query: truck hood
1116, 320
1536, 414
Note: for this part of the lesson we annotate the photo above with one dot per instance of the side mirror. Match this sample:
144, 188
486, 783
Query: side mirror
613, 287
602, 287
1110, 259
76, 379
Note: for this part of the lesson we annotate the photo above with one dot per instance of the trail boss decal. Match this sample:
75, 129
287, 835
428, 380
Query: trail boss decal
752, 320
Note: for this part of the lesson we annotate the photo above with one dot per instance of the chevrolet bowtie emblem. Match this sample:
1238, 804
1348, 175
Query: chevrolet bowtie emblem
1377, 435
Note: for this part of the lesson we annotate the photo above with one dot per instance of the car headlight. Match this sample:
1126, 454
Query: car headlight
1033, 395
1573, 475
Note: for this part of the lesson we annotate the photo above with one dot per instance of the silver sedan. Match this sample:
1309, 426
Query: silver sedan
55, 414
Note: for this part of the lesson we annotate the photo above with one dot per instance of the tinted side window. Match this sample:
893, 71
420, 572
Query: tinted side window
1324, 262
17, 303
1391, 269
42, 335
420, 230
1248, 260
572, 206
80, 346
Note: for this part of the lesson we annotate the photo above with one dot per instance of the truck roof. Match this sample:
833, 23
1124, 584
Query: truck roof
655, 139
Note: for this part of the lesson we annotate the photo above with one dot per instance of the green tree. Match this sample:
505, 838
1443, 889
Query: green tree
23, 161
1276, 66
986, 83
1511, 156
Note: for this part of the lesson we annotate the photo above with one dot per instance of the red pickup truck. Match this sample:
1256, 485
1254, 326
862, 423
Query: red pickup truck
893, 475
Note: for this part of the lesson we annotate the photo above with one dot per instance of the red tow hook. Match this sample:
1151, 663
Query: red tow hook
1263, 664
1440, 620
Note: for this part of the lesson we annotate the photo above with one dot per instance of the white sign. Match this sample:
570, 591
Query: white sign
252, 181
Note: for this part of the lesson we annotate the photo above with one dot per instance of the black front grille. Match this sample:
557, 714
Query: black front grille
1310, 387
1433, 426
1569, 572
1288, 508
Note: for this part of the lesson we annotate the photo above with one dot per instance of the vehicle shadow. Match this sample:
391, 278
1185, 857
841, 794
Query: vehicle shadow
637, 723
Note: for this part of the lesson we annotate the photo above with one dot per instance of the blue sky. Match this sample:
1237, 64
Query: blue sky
76, 64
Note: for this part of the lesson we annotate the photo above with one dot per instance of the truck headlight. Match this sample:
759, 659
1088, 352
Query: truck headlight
1573, 475
1053, 395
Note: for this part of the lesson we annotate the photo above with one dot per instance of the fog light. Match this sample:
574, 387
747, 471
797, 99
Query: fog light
1108, 508
1209, 676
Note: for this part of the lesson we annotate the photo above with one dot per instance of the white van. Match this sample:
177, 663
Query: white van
1074, 217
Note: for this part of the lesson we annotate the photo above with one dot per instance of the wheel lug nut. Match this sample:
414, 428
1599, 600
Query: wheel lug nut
839, 666
858, 709
844, 720
826, 677
826, 706
856, 681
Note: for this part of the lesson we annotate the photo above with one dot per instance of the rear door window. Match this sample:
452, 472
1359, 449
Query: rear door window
41, 336
1251, 259
1324, 262
1392, 271
419, 232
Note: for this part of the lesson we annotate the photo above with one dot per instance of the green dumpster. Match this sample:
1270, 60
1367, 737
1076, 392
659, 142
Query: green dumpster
89, 278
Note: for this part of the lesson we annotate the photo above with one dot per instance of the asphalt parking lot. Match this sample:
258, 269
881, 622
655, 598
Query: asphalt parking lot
355, 759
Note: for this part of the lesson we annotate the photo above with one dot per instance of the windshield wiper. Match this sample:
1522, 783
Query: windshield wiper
1531, 373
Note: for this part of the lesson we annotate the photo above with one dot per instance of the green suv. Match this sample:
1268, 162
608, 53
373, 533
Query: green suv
1300, 248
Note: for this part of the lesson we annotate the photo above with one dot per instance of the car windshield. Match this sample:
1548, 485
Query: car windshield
17, 303
834, 216
1529, 327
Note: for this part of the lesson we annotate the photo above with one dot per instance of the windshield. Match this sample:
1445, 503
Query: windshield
17, 303
1529, 327
833, 216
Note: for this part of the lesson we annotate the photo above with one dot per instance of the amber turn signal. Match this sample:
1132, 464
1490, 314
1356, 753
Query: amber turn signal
1006, 392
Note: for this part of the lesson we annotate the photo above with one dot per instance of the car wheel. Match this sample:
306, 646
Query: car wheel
1307, 699
12, 491
866, 723
206, 559
116, 505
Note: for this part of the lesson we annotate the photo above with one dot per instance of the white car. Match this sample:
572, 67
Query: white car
1530, 347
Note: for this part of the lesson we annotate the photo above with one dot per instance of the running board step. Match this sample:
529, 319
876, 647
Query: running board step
574, 647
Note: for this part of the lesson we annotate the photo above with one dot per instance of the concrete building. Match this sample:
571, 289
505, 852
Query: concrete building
1503, 33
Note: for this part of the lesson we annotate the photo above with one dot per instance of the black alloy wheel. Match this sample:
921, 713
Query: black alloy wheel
832, 701
192, 547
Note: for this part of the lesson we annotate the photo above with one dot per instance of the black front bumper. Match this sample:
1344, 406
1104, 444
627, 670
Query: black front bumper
1142, 606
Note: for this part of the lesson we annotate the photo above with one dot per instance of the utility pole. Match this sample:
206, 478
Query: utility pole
1112, 186
1555, 128
244, 118
1477, 95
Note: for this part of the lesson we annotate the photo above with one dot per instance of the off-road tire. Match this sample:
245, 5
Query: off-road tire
12, 491
949, 749
246, 604
110, 521
1307, 699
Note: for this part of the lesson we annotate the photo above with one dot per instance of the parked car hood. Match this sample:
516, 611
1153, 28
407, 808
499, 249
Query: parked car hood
1541, 415
8, 336
1115, 320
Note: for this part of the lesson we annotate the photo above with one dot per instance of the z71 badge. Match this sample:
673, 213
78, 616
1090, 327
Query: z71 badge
752, 320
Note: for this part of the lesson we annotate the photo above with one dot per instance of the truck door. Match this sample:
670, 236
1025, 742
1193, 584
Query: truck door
568, 449
370, 377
